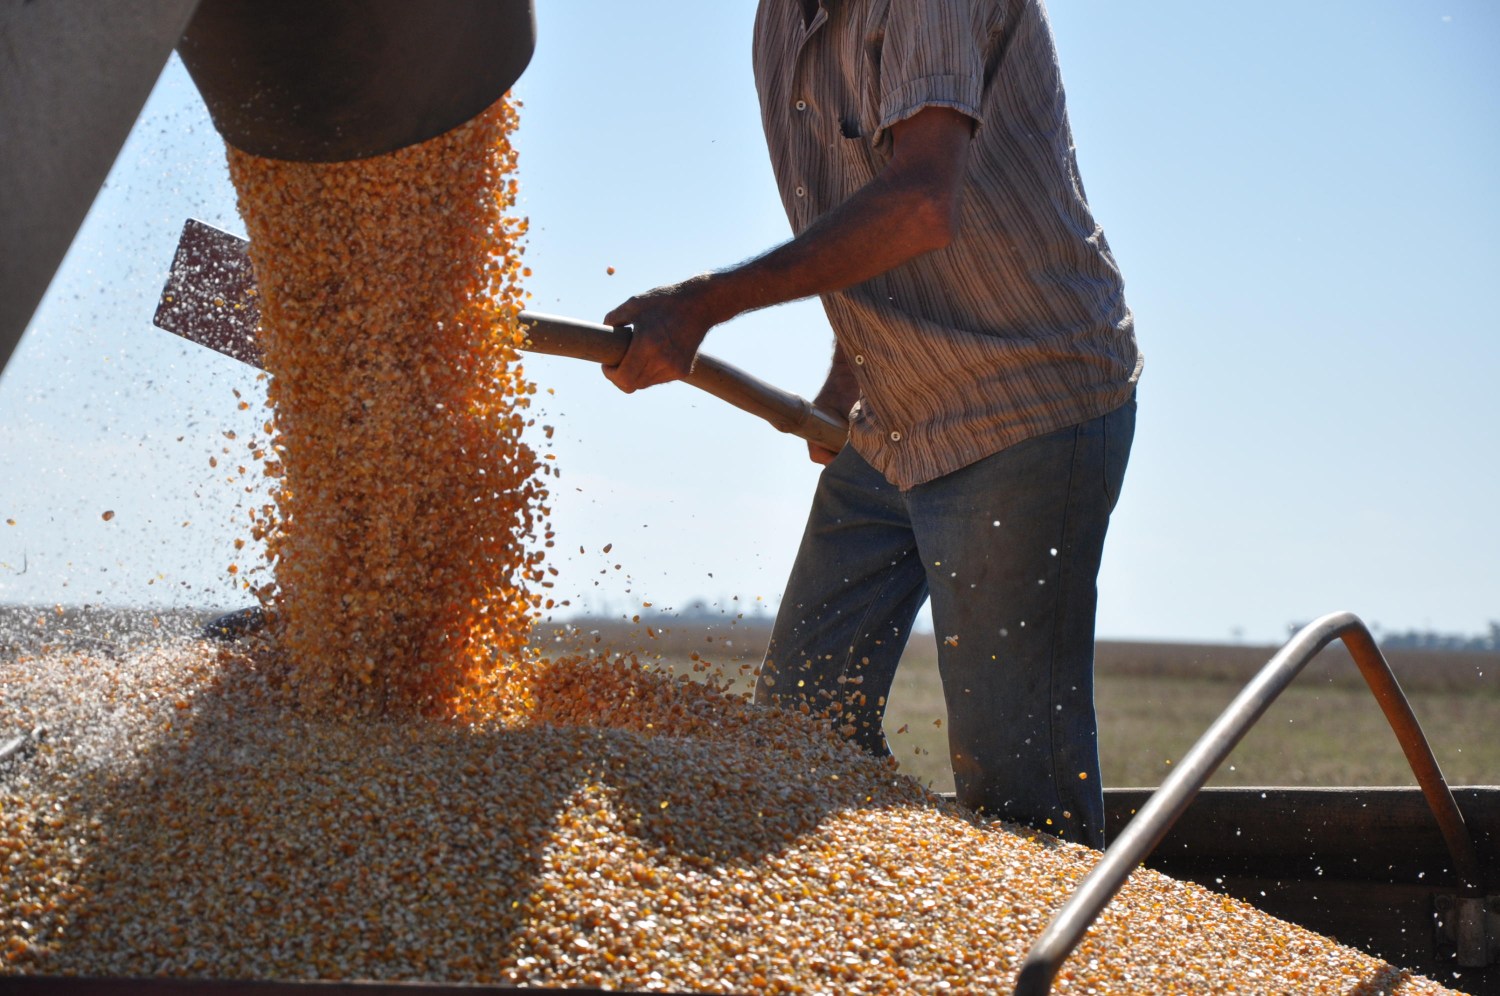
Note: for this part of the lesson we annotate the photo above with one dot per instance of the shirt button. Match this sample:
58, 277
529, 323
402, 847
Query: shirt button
895, 437
860, 360
801, 105
801, 191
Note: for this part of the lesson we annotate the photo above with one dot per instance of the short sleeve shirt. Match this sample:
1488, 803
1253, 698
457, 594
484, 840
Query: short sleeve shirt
1019, 326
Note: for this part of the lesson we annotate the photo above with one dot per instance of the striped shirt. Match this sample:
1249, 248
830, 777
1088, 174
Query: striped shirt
1019, 326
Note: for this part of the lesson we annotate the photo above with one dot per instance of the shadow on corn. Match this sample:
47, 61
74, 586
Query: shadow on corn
242, 839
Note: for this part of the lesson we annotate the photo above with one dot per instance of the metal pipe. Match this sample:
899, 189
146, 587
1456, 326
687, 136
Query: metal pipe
334, 80
1168, 803
1398, 712
314, 80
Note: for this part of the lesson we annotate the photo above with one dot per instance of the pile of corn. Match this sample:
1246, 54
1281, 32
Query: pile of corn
610, 826
401, 541
394, 787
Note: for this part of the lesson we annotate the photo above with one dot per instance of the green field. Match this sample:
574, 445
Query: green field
1156, 699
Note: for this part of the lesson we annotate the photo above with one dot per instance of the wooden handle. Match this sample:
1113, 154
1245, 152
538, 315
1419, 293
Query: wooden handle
603, 344
210, 299
569, 337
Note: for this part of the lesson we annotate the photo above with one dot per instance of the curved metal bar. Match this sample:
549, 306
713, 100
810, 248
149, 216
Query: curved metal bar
1169, 801
20, 746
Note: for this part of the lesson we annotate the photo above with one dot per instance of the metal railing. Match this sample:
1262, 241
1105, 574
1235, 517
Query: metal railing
1162, 810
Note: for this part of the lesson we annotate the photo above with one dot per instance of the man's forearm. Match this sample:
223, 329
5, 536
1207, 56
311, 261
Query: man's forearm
885, 224
909, 209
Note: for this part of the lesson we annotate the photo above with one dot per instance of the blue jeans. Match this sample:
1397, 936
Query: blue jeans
1008, 549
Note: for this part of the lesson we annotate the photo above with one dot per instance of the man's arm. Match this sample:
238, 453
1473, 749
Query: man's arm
909, 209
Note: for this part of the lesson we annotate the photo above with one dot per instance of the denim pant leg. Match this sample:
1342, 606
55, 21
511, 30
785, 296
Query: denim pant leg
1011, 547
848, 606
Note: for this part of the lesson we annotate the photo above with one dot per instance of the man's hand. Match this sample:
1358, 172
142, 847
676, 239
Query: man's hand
910, 208
669, 326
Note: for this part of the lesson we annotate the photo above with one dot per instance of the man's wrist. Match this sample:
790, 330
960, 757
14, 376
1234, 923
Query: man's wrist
720, 294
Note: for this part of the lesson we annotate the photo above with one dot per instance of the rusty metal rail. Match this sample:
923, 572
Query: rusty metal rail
1169, 801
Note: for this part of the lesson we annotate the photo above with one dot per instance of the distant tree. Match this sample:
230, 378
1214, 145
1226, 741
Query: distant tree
1414, 639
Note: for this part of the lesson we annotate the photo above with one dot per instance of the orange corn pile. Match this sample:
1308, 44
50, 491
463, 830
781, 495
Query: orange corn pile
610, 827
406, 497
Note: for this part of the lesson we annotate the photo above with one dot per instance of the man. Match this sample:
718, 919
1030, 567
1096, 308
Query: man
988, 362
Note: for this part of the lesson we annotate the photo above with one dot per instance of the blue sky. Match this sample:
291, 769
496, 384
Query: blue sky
1303, 197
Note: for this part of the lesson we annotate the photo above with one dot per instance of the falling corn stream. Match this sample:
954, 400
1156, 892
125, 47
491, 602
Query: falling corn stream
393, 783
